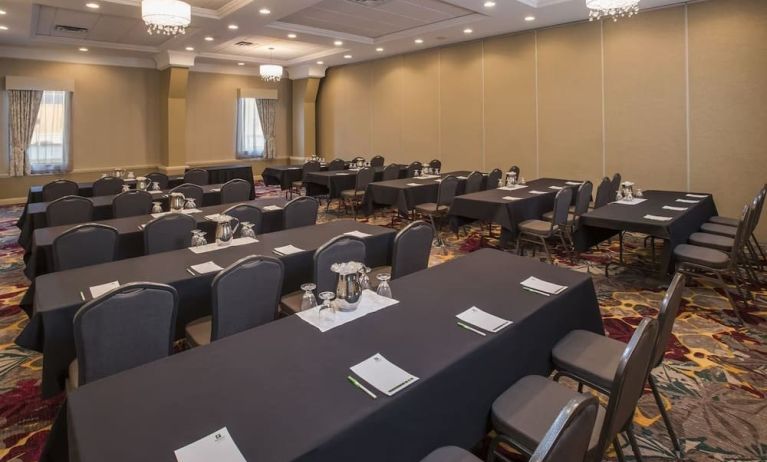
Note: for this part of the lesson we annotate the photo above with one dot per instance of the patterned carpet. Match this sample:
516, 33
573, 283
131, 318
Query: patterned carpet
714, 378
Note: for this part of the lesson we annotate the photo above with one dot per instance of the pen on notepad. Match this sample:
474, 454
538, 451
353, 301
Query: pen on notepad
467, 327
536, 291
82, 295
354, 382
189, 270
402, 384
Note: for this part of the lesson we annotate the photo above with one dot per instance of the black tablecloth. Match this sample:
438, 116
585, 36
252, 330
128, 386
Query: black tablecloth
281, 389
39, 260
223, 173
404, 195
333, 182
606, 221
57, 297
282, 175
102, 210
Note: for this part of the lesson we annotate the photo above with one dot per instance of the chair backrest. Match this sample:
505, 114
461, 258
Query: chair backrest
365, 176
561, 207
742, 233
108, 186
667, 312
311, 166
413, 167
168, 232
235, 190
58, 189
514, 169
412, 247
196, 176
568, 437
473, 182
84, 245
762, 194
756, 205
358, 159
493, 178
245, 295
615, 184
629, 381
377, 161
336, 164
125, 328
160, 178
190, 191
435, 163
249, 213
391, 172
582, 198
340, 249
68, 210
301, 211
447, 190
605, 193
131, 203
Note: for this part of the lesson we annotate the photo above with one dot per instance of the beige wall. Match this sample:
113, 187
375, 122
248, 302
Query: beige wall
576, 101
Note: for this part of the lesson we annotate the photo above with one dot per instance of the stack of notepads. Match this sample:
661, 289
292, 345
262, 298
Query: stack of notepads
539, 286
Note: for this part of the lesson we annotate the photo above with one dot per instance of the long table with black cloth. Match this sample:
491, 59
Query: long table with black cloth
223, 173
282, 175
406, 193
600, 224
333, 182
102, 210
58, 295
281, 389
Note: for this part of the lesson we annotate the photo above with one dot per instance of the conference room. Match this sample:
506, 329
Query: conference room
383, 230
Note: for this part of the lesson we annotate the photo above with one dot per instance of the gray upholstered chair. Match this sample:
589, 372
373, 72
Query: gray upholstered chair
108, 186
523, 414
196, 176
168, 232
391, 172
336, 164
493, 178
84, 245
124, 328
605, 193
377, 161
537, 231
190, 191
592, 359
615, 184
354, 197
161, 179
244, 295
437, 210
309, 167
68, 210
247, 213
410, 253
131, 203
450, 454
58, 189
358, 159
582, 199
436, 163
516, 170
340, 249
236, 190
473, 182
301, 211
413, 167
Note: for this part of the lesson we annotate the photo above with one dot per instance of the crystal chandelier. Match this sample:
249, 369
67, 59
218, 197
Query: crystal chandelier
615, 9
166, 17
270, 72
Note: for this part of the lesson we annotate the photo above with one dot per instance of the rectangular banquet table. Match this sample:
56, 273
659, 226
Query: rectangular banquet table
604, 222
333, 182
281, 389
57, 295
282, 175
130, 242
404, 194
102, 210
223, 173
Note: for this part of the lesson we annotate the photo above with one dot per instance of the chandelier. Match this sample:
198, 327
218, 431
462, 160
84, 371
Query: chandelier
615, 9
270, 72
166, 17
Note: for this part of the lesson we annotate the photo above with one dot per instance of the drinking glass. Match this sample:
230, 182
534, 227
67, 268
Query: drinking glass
247, 230
190, 204
156, 207
383, 286
198, 238
126, 188
326, 314
364, 278
308, 301
155, 186
522, 180
639, 193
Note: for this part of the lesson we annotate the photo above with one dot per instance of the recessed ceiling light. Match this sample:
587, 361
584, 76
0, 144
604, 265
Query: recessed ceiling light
338, 43
240, 64
93, 5
2, 12
529, 18
320, 62
83, 49
265, 11
3, 27
379, 49
419, 41
467, 31
209, 39
189, 48
292, 36
489, 4
233, 26
347, 56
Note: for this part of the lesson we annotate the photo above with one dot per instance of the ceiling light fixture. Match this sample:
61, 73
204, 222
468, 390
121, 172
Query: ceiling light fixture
240, 64
320, 62
2, 13
529, 18
265, 11
292, 36
209, 39
270, 72
614, 9
467, 31
347, 56
489, 4
93, 6
83, 49
379, 49
338, 43
189, 48
233, 26
166, 17
419, 41
3, 27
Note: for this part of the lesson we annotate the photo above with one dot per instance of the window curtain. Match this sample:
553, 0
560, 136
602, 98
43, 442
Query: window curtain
48, 152
23, 106
267, 113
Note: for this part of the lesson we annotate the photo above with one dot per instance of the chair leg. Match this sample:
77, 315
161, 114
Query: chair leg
618, 450
620, 244
546, 248
517, 249
665, 417
633, 442
729, 296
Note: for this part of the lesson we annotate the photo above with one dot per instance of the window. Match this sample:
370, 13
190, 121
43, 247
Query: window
250, 136
48, 151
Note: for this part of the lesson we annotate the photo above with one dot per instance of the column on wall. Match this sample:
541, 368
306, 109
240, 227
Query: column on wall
174, 80
306, 84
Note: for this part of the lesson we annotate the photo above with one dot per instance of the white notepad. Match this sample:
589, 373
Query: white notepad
287, 250
155, 192
537, 192
207, 267
359, 234
342, 174
214, 246
385, 376
699, 196
462, 177
99, 290
556, 187
184, 211
510, 198
657, 218
633, 201
542, 286
213, 217
483, 319
414, 184
573, 183
216, 189
272, 208
678, 209
218, 446
513, 188
687, 201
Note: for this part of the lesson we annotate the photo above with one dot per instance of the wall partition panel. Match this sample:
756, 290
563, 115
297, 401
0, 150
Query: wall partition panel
386, 122
420, 105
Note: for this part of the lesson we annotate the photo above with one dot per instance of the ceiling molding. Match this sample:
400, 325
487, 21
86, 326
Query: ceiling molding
169, 58
199, 12
231, 7
428, 28
306, 71
290, 27
41, 54
93, 43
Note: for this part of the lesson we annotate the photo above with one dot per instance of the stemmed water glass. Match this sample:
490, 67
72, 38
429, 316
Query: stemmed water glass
326, 314
308, 301
198, 238
383, 286
364, 278
190, 204
247, 230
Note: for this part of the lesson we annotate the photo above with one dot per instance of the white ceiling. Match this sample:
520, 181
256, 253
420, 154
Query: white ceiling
115, 30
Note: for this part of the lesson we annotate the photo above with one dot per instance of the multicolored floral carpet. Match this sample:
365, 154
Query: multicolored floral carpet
714, 379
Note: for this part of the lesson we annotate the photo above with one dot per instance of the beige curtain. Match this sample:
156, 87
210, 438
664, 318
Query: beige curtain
267, 113
23, 106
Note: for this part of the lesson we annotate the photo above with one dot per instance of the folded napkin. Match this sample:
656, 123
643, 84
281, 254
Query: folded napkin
678, 209
369, 302
657, 218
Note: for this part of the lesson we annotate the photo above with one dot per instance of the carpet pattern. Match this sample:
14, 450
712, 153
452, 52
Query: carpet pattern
713, 380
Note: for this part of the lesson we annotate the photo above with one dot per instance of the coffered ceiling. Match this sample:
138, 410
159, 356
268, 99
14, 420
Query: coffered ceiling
293, 33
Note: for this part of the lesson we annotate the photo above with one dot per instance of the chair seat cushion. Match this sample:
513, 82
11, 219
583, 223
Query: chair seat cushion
298, 184
73, 376
527, 409
548, 216
701, 256
727, 221
291, 303
430, 208
350, 194
712, 241
722, 230
539, 227
590, 356
198, 331
450, 454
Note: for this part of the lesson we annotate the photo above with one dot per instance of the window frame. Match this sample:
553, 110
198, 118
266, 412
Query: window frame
66, 165
239, 153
